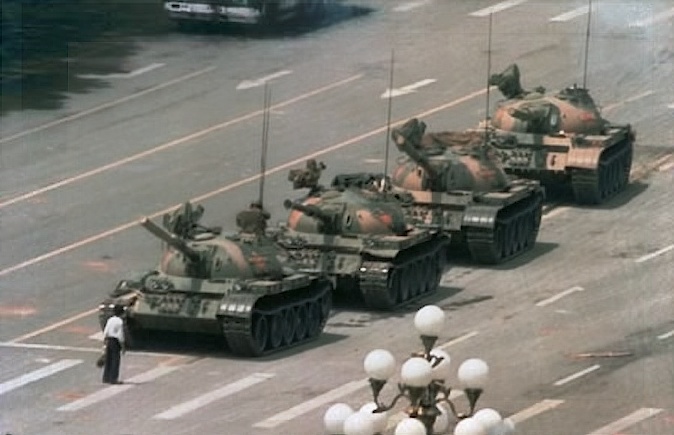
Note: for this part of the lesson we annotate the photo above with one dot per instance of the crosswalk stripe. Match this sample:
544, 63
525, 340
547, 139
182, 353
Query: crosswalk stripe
205, 399
625, 422
97, 336
113, 390
38, 374
533, 410
312, 404
567, 16
498, 7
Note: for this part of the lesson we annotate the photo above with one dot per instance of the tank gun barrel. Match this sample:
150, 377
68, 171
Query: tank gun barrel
309, 210
171, 239
405, 146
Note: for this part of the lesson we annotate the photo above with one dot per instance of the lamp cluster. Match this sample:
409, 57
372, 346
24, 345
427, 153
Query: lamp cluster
423, 386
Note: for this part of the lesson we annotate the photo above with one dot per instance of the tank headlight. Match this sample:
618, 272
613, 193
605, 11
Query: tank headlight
363, 269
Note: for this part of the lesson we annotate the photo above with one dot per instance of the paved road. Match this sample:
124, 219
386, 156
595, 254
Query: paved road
74, 181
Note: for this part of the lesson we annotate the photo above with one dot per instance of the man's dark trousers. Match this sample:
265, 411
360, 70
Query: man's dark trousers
113, 354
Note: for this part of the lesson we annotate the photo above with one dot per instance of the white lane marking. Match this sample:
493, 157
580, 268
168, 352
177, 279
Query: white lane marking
666, 167
312, 404
567, 16
248, 84
244, 181
175, 142
631, 99
397, 92
113, 390
38, 374
498, 7
576, 375
203, 400
97, 336
666, 335
55, 325
559, 295
662, 16
625, 422
670, 106
405, 7
108, 104
128, 75
13, 344
654, 254
457, 340
533, 410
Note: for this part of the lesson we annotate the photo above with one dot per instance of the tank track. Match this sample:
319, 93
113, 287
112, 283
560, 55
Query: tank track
515, 231
413, 274
611, 176
279, 321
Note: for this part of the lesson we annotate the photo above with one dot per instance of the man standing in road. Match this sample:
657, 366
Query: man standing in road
113, 335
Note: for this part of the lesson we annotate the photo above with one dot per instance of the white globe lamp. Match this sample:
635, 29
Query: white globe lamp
379, 364
469, 426
358, 423
334, 418
441, 369
416, 372
410, 426
430, 321
473, 373
379, 419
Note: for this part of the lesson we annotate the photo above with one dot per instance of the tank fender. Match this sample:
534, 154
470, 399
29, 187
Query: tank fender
237, 305
584, 158
480, 217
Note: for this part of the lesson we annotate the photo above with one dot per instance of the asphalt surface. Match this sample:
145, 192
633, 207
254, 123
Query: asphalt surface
74, 181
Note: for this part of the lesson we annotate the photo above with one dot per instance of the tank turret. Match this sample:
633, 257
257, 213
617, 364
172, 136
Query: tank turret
459, 187
560, 139
359, 235
241, 286
445, 162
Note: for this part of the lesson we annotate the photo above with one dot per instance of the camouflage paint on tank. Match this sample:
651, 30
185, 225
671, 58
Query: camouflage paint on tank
222, 285
560, 139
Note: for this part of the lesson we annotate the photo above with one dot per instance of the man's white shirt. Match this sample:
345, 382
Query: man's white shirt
114, 328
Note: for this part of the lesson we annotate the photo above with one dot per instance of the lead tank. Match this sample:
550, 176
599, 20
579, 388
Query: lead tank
358, 235
458, 187
560, 139
240, 286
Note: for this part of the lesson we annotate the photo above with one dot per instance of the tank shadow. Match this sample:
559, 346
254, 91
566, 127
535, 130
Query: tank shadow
564, 197
541, 248
201, 345
355, 304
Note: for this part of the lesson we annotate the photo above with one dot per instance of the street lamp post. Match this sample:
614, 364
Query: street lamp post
424, 387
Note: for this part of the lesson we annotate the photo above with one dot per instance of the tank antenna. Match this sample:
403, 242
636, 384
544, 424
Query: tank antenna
587, 42
388, 121
486, 115
265, 141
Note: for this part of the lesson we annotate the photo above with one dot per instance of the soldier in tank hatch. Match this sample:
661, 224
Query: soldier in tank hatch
254, 219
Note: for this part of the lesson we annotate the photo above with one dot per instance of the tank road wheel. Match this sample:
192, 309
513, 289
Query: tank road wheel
276, 330
313, 318
288, 316
259, 334
406, 281
301, 322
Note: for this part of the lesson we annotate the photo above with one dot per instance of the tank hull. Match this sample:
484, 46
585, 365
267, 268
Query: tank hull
595, 167
384, 272
254, 317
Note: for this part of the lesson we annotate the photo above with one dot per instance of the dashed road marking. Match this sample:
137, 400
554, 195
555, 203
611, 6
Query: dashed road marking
397, 92
458, 340
212, 396
128, 75
248, 84
498, 7
625, 422
114, 390
666, 335
559, 295
406, 7
662, 16
654, 254
534, 410
631, 99
38, 374
310, 405
576, 375
570, 15
97, 336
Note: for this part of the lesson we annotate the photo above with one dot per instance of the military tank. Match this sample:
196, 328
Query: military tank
358, 235
458, 187
560, 139
239, 286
